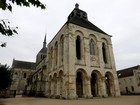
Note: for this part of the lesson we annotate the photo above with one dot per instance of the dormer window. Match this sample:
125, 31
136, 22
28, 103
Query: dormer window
84, 16
78, 13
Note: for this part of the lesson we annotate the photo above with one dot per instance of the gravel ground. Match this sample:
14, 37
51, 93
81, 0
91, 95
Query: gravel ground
123, 100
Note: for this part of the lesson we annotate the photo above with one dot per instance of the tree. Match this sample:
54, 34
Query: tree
5, 28
5, 77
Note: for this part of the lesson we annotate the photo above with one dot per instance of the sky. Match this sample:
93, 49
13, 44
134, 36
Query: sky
118, 18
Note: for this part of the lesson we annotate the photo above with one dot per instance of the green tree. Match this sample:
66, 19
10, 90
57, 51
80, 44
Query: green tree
5, 77
5, 28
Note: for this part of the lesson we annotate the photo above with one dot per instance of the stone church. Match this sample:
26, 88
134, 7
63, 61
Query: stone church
77, 63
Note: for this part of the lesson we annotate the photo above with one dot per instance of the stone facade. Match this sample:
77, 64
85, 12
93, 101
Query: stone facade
79, 62
36, 85
129, 80
21, 70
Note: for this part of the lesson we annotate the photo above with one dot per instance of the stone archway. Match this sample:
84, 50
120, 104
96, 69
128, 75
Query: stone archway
50, 86
109, 82
95, 83
79, 84
60, 80
54, 85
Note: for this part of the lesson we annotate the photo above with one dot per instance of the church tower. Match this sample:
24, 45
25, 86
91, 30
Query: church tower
81, 60
42, 53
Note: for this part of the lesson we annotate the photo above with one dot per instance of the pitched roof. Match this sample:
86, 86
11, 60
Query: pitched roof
127, 72
24, 64
79, 17
43, 50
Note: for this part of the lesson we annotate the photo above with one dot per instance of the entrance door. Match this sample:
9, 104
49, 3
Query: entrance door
79, 85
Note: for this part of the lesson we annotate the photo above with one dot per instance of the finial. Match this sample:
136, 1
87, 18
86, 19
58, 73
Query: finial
76, 5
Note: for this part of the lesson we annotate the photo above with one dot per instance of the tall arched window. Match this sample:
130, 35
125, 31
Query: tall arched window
78, 47
92, 47
51, 53
104, 52
56, 52
61, 48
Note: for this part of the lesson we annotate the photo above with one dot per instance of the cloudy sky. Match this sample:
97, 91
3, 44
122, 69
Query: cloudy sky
119, 18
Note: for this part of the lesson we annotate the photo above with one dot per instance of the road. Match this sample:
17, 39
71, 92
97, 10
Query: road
123, 100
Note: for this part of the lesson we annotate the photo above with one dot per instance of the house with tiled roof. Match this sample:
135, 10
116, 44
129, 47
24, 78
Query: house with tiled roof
21, 70
129, 80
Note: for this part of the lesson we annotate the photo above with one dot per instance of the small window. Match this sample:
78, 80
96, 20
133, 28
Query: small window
78, 13
16, 73
126, 88
84, 16
132, 88
24, 75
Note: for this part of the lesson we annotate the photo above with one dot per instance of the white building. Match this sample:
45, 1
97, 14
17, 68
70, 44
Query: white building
78, 62
129, 80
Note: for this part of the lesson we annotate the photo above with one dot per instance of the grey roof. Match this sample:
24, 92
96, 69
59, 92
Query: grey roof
43, 50
79, 17
24, 64
127, 72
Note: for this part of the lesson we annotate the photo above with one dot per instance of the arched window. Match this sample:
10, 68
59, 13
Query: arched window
24, 75
51, 60
104, 52
78, 47
92, 47
56, 52
61, 48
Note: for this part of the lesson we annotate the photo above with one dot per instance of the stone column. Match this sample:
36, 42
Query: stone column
48, 89
72, 87
58, 88
99, 83
52, 88
64, 88
116, 84
104, 93
88, 90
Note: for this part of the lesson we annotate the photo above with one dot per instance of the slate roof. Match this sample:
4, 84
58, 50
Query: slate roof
127, 72
82, 20
43, 50
24, 65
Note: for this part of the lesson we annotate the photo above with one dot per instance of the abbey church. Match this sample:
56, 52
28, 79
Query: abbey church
77, 63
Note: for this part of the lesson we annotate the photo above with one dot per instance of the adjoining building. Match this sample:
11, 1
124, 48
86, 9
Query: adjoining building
78, 62
36, 85
129, 80
21, 70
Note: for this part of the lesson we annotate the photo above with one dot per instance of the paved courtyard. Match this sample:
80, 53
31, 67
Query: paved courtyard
123, 100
